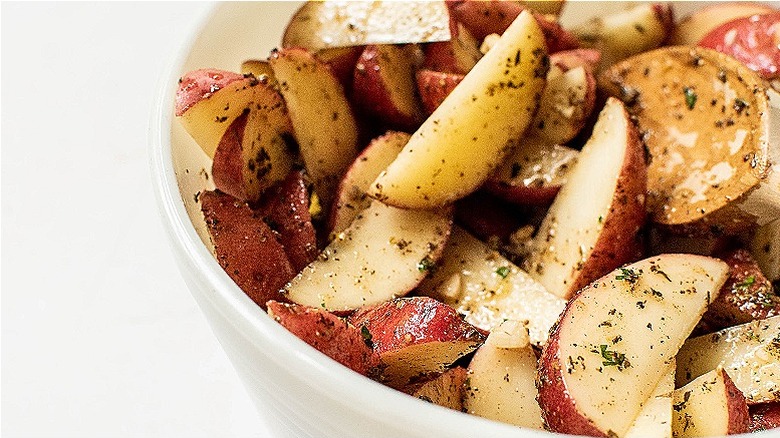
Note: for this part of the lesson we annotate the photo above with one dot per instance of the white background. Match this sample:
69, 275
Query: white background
100, 336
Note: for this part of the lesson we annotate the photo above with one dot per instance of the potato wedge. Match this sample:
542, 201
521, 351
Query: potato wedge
319, 25
710, 406
710, 135
501, 385
487, 288
383, 254
351, 197
655, 418
329, 334
450, 155
765, 247
416, 337
446, 389
750, 353
434, 87
625, 33
592, 226
246, 248
322, 118
621, 332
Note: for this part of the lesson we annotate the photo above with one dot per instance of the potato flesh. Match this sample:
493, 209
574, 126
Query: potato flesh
571, 228
655, 419
319, 25
384, 254
490, 288
475, 127
750, 353
607, 317
701, 408
501, 386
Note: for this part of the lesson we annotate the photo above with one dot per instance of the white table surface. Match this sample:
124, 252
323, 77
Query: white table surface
100, 336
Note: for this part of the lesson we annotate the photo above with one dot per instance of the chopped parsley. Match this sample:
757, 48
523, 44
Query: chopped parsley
613, 358
367, 338
628, 275
426, 264
502, 271
690, 97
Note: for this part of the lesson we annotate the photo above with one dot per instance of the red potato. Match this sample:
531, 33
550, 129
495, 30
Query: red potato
384, 86
257, 149
752, 40
709, 406
629, 32
320, 25
285, 208
746, 296
341, 61
331, 335
592, 226
246, 248
569, 59
209, 100
615, 339
446, 389
765, 416
488, 217
351, 196
321, 116
748, 352
384, 253
483, 18
534, 174
416, 337
434, 87
458, 55
691, 29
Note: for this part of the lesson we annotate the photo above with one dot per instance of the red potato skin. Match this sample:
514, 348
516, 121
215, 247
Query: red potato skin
446, 56
739, 415
434, 87
558, 409
483, 18
227, 169
665, 15
329, 334
247, 249
752, 40
405, 322
285, 208
487, 217
201, 84
620, 241
764, 416
341, 61
386, 96
569, 59
746, 296
523, 195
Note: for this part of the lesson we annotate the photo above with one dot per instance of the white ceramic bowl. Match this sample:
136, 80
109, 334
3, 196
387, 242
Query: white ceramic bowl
299, 391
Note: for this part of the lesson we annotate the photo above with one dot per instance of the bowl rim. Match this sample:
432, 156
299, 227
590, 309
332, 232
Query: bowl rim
314, 368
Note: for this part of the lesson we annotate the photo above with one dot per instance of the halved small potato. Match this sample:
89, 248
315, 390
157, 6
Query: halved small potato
481, 121
384, 254
709, 124
615, 339
750, 353
319, 25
